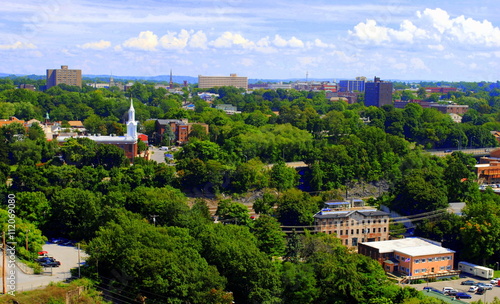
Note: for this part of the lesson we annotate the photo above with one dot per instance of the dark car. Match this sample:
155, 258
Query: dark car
48, 261
50, 264
480, 290
463, 295
468, 282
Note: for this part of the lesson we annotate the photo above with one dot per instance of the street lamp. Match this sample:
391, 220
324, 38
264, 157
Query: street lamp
496, 265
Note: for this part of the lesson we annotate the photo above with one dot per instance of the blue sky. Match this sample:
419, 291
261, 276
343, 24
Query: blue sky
394, 39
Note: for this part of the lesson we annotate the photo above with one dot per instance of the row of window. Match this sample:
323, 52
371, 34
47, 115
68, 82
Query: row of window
354, 222
424, 270
435, 259
363, 231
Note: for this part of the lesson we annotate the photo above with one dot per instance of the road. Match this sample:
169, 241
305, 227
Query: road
67, 255
157, 154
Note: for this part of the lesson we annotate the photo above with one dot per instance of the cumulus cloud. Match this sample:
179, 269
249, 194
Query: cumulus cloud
146, 41
228, 39
98, 45
174, 40
292, 42
431, 28
198, 40
18, 45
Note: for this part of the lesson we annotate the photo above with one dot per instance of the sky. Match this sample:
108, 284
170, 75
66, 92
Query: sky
394, 39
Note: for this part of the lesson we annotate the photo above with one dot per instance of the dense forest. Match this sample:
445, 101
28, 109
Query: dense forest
92, 194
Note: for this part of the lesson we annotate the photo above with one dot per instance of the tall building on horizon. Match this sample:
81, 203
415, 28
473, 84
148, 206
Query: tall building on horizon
378, 93
207, 82
63, 75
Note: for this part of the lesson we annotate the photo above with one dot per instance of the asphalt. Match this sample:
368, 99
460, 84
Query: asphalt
67, 255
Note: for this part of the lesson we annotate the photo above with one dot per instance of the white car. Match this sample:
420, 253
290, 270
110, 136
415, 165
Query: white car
488, 286
473, 289
495, 281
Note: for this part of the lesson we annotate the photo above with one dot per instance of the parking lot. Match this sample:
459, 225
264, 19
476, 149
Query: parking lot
487, 297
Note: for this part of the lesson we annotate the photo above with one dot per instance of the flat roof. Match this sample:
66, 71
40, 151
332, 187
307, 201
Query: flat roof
408, 246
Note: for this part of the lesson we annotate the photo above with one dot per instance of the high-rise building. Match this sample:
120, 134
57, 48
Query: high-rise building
378, 93
352, 86
207, 82
64, 75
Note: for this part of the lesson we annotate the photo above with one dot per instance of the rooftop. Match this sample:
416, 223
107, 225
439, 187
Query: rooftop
409, 246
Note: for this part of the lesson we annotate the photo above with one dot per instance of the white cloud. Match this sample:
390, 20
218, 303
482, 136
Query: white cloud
146, 41
247, 62
198, 40
174, 41
18, 45
228, 39
431, 28
293, 42
418, 64
98, 45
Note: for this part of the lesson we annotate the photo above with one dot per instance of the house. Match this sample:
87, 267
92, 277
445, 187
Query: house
352, 222
414, 257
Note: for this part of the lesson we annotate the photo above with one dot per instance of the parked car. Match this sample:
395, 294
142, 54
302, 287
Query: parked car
480, 290
487, 286
463, 295
468, 282
473, 289
448, 289
50, 264
495, 281
48, 260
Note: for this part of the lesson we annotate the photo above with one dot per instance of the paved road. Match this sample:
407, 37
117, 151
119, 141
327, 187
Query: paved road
486, 298
157, 154
68, 256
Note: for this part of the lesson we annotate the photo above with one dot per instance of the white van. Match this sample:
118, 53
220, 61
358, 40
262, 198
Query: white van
165, 148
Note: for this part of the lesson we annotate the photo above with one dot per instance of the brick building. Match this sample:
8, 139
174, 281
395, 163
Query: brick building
414, 257
352, 222
180, 128
64, 75
206, 82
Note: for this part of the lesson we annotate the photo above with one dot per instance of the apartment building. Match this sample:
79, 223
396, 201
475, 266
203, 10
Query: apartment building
64, 75
206, 82
352, 222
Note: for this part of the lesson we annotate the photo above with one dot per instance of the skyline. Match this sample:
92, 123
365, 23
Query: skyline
437, 40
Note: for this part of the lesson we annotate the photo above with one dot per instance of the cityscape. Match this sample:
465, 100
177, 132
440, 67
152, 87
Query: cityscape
221, 152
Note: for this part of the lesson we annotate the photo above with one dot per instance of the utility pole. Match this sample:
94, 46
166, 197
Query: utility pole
79, 275
27, 240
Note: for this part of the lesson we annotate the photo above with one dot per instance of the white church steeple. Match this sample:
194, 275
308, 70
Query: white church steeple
131, 124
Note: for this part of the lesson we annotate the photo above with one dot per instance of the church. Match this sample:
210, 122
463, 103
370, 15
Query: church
128, 142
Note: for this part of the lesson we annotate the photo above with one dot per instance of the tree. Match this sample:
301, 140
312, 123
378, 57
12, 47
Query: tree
270, 237
296, 208
233, 212
299, 284
26, 152
283, 177
164, 262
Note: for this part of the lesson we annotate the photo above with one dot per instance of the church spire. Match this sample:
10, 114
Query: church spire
171, 83
131, 124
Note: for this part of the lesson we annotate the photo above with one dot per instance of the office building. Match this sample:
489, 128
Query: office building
414, 257
64, 75
352, 86
206, 82
378, 93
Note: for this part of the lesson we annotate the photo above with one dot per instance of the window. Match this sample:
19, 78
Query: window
357, 231
422, 260
346, 232
417, 261
417, 270
368, 221
367, 230
379, 229
355, 241
429, 260
424, 270
385, 229
340, 232
397, 257
448, 267
346, 242
352, 231
441, 268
